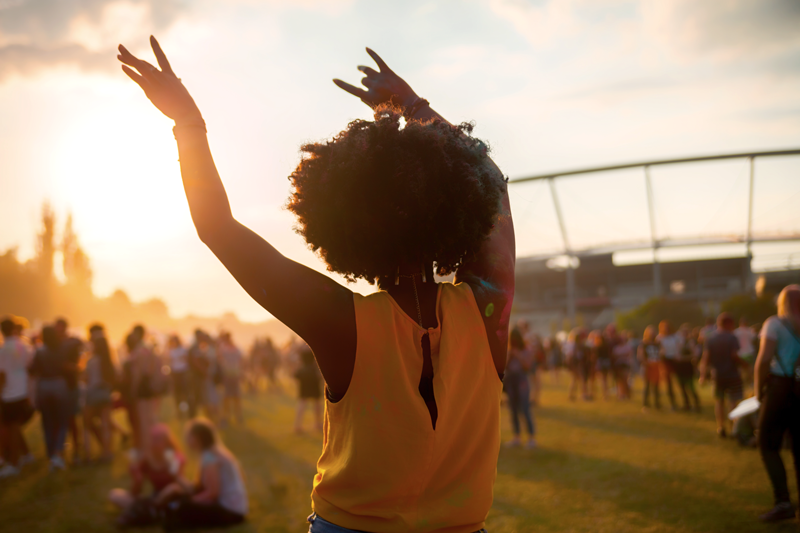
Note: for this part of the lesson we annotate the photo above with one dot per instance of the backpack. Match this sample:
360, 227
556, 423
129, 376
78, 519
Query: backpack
796, 373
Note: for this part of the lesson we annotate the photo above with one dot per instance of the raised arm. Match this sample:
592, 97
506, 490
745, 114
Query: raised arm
491, 272
314, 306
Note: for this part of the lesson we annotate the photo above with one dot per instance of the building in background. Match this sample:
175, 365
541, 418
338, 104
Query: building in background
602, 289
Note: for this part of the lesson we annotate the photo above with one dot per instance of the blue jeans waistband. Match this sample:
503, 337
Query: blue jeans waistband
320, 525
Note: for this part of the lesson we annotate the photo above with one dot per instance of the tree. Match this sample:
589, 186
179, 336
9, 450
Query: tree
75, 261
46, 243
654, 311
755, 309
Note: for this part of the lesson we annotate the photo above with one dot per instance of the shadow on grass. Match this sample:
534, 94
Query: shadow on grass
673, 499
632, 424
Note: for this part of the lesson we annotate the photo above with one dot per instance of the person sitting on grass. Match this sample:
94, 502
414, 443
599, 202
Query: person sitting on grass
721, 354
413, 371
218, 498
517, 387
309, 383
160, 465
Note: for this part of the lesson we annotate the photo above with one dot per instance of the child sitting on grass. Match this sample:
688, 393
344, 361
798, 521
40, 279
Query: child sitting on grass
218, 498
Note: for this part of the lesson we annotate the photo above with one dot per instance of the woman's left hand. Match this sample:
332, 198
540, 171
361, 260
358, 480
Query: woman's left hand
382, 86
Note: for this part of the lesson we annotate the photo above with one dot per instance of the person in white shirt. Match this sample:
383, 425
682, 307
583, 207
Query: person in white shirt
16, 355
670, 353
231, 360
179, 371
746, 337
747, 350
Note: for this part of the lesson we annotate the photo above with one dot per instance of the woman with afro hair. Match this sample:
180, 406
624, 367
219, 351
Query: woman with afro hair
413, 372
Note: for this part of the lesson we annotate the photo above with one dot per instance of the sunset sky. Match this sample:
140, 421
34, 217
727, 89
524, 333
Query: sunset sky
551, 85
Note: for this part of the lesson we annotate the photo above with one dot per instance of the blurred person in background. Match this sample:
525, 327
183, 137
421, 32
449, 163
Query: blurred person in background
198, 370
160, 465
579, 363
72, 350
231, 363
536, 367
601, 353
685, 366
721, 356
670, 344
516, 385
254, 367
127, 397
272, 365
748, 349
148, 383
100, 378
50, 368
207, 374
309, 385
218, 498
708, 330
622, 356
16, 355
777, 384
178, 357
649, 354
98, 331
554, 356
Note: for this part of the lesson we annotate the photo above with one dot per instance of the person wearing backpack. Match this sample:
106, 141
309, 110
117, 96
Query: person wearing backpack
777, 383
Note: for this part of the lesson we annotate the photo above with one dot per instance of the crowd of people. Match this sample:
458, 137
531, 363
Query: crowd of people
664, 356
760, 360
77, 385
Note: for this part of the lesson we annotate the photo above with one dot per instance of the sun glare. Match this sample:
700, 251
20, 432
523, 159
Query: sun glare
118, 172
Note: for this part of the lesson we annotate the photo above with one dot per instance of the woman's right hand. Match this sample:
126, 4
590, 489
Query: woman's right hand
162, 87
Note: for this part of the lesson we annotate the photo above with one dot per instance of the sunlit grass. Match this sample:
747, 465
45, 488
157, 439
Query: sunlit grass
600, 466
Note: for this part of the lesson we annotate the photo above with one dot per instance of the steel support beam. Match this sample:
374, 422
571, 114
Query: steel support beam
750, 281
571, 311
651, 211
567, 173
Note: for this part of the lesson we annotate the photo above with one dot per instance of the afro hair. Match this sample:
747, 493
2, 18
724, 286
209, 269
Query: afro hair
379, 195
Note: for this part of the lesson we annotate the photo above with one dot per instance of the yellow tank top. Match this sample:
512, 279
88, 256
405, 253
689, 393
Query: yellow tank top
383, 467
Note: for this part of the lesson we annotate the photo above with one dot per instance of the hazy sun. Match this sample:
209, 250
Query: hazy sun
117, 170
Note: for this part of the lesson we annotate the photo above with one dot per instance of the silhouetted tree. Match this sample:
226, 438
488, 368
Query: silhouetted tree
76, 266
46, 243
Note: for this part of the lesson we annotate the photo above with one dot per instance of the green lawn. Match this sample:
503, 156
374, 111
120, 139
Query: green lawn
601, 466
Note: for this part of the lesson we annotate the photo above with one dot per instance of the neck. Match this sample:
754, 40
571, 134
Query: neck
388, 282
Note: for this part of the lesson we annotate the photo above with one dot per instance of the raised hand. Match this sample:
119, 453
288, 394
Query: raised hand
381, 87
162, 87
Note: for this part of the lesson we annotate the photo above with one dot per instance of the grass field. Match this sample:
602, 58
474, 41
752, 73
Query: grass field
601, 466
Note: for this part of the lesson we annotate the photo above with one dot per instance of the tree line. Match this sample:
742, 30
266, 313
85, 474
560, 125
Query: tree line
32, 289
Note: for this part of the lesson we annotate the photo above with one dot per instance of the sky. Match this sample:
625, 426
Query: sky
552, 85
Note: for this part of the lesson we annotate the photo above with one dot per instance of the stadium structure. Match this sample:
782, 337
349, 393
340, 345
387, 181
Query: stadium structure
587, 285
